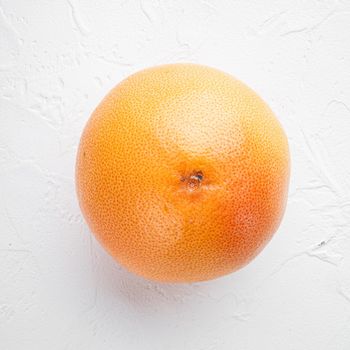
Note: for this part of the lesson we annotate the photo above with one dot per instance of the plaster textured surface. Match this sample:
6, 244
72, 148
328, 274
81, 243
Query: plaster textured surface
58, 288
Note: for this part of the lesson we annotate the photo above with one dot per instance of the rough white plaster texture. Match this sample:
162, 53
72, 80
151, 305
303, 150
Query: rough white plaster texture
58, 287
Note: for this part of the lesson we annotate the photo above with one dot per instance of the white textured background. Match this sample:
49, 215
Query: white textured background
58, 288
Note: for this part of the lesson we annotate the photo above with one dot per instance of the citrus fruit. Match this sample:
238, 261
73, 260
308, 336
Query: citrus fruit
182, 173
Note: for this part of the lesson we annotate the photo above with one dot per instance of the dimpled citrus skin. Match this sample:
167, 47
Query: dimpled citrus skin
182, 173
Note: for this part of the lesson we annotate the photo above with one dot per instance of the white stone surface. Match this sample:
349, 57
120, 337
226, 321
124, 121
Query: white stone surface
58, 288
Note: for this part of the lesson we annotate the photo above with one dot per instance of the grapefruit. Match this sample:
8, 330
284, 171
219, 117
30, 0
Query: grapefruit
182, 173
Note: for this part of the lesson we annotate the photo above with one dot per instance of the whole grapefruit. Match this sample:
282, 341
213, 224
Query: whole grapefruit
182, 173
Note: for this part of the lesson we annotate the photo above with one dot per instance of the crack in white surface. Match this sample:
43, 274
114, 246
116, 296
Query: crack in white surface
318, 163
147, 9
294, 31
78, 22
